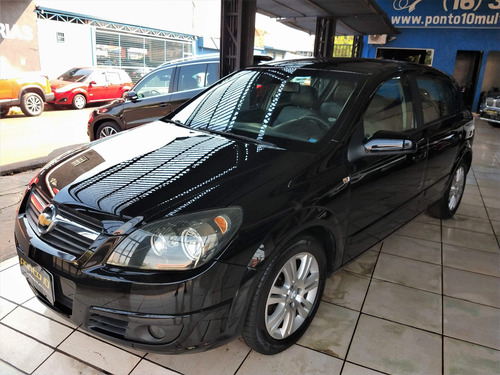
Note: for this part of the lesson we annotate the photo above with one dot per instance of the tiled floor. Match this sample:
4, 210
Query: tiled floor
425, 301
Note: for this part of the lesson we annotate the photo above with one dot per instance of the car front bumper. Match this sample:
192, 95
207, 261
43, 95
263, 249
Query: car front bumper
490, 113
191, 313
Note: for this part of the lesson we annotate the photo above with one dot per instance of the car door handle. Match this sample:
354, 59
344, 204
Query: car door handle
164, 104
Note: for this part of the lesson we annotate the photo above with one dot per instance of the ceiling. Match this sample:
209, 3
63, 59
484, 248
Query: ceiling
354, 17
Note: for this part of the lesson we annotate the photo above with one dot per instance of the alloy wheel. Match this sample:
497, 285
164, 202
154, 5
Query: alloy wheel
292, 296
456, 188
34, 104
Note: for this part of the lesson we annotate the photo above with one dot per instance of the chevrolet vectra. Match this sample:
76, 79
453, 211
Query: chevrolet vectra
226, 217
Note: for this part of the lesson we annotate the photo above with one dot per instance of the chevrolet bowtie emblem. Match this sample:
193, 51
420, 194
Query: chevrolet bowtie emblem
44, 219
47, 219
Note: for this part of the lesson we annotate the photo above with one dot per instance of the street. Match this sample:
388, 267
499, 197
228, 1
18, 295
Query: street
25, 139
32, 141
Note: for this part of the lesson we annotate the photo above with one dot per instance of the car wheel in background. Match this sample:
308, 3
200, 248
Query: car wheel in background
79, 101
124, 95
32, 104
106, 129
4, 111
450, 201
287, 296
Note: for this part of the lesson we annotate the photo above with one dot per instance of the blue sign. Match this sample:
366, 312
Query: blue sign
463, 14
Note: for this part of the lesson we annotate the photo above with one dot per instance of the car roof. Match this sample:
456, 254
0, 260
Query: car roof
372, 67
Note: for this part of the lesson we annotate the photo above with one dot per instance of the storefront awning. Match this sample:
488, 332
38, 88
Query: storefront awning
354, 17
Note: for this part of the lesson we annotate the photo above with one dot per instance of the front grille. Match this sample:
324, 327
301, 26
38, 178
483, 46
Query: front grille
73, 233
107, 325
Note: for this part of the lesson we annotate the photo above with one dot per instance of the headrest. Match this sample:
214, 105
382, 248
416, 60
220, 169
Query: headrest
343, 92
306, 97
331, 109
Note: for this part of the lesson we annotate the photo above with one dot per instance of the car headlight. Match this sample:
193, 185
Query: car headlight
178, 243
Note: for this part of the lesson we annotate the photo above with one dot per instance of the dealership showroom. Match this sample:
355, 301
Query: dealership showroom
333, 208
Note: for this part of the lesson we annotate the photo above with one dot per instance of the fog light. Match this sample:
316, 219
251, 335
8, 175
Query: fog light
157, 332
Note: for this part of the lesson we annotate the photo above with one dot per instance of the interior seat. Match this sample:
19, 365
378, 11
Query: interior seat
302, 103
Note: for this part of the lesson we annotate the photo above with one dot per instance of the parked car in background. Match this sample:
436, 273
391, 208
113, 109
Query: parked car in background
157, 94
79, 86
489, 109
28, 91
226, 216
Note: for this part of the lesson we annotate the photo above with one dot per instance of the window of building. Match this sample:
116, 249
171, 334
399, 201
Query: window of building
137, 54
60, 37
419, 56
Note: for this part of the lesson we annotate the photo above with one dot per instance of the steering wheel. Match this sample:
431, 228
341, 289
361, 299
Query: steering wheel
317, 122
155, 92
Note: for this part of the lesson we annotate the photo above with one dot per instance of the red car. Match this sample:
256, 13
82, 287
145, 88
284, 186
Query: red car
79, 86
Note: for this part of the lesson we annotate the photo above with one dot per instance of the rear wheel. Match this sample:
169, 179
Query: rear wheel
106, 129
32, 104
446, 207
79, 101
287, 297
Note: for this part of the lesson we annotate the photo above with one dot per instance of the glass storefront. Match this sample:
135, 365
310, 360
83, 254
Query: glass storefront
137, 54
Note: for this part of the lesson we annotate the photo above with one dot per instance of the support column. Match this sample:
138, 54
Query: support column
237, 34
325, 36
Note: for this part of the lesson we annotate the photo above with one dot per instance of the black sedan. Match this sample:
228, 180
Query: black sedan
226, 217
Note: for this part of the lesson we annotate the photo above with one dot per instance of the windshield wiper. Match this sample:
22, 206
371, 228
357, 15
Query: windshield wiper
240, 137
226, 134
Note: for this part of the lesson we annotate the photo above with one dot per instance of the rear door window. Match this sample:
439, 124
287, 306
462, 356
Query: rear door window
192, 76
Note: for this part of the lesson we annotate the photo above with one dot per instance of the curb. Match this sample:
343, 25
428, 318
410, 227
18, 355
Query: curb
39, 162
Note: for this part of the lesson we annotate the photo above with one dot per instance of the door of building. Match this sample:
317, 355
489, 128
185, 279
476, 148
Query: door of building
466, 72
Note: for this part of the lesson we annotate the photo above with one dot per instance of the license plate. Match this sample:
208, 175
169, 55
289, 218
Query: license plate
491, 112
39, 278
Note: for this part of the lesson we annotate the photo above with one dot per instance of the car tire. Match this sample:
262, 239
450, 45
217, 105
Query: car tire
446, 207
287, 296
79, 101
124, 95
4, 111
32, 104
106, 129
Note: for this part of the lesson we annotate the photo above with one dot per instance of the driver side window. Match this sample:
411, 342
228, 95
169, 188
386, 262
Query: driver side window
155, 84
390, 109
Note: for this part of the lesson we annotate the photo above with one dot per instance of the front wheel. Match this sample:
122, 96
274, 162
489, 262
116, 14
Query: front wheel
446, 207
79, 101
32, 104
287, 296
106, 129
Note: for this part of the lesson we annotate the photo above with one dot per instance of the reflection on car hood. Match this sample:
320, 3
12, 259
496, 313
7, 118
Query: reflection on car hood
160, 169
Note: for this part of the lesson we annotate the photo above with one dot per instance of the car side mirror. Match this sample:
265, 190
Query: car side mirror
387, 146
132, 96
91, 83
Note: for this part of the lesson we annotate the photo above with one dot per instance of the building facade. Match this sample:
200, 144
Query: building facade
460, 37
52, 41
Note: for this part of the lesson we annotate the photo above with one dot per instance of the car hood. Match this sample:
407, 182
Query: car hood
161, 169
57, 84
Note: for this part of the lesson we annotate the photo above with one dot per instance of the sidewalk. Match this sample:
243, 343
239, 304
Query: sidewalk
425, 301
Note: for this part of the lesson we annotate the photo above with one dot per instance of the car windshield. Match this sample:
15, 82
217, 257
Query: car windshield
75, 75
285, 106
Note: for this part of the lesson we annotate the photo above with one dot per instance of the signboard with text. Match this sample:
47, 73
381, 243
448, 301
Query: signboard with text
463, 14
